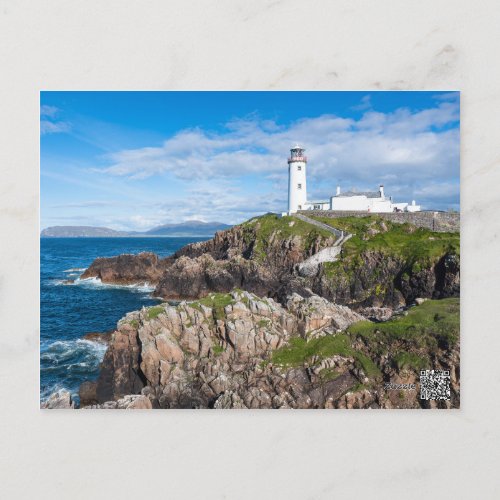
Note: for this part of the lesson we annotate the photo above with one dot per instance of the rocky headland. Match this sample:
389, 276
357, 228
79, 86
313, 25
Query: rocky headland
239, 350
252, 331
382, 264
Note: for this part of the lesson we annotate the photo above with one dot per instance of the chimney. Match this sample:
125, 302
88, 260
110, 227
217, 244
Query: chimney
381, 189
338, 190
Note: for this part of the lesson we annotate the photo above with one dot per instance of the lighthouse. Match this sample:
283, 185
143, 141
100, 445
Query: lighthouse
297, 192
358, 201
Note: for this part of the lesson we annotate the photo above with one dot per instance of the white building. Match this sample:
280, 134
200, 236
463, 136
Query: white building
367, 201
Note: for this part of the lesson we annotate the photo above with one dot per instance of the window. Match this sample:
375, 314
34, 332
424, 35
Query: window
299, 186
299, 167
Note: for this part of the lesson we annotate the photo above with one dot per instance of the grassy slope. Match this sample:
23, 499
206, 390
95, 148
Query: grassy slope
300, 352
262, 228
418, 246
435, 322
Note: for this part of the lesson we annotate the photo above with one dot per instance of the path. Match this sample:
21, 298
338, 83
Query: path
330, 254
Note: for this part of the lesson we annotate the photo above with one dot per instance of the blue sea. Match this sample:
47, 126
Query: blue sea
69, 311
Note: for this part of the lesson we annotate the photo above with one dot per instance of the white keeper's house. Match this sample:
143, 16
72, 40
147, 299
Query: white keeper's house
362, 201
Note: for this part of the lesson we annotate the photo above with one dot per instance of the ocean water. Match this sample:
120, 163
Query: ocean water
69, 311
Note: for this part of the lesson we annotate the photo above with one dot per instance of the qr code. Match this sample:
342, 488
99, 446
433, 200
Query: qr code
435, 384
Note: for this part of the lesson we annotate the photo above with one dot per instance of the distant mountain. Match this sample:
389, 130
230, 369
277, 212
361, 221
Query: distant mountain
189, 228
79, 232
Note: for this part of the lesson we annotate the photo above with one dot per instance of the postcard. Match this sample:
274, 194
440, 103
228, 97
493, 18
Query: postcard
250, 250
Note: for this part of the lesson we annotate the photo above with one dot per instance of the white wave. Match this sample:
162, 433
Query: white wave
74, 269
57, 282
96, 282
63, 350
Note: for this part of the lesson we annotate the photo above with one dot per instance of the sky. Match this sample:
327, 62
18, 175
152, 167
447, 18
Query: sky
135, 160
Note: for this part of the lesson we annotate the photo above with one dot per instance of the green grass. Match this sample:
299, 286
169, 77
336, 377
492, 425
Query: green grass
358, 386
155, 311
433, 322
195, 305
420, 247
301, 351
242, 297
398, 248
353, 225
134, 323
215, 301
410, 360
263, 323
261, 229
327, 374
425, 326
217, 349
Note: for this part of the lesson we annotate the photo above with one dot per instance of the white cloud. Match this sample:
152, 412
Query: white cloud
389, 142
50, 111
49, 125
447, 96
414, 153
86, 204
364, 104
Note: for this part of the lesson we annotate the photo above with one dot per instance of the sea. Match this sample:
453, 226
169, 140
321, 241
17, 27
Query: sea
71, 307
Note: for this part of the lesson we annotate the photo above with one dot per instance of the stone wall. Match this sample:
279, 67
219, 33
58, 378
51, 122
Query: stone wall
435, 221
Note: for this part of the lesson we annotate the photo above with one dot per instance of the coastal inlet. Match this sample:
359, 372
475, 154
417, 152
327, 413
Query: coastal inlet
71, 308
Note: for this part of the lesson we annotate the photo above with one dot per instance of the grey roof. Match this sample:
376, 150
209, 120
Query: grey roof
368, 194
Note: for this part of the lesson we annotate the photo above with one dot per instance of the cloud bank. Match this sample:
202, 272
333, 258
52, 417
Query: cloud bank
409, 151
240, 170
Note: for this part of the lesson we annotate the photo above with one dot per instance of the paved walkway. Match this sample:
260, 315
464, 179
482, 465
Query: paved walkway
322, 225
330, 254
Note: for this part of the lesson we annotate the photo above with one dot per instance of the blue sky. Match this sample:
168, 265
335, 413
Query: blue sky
133, 160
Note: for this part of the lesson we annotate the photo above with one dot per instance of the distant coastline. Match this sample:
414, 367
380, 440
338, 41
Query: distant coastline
181, 230
133, 236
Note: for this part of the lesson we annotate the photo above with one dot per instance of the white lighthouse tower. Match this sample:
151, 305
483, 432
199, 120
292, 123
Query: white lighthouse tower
297, 191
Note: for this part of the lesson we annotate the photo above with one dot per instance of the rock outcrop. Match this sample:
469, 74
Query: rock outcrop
317, 316
216, 353
258, 328
129, 402
239, 257
240, 351
126, 269
101, 337
276, 257
381, 280
60, 400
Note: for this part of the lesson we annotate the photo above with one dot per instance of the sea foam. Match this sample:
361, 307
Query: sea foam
64, 363
96, 282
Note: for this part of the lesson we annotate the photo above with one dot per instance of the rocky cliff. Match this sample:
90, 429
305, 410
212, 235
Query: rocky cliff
390, 264
256, 256
383, 264
238, 350
253, 332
